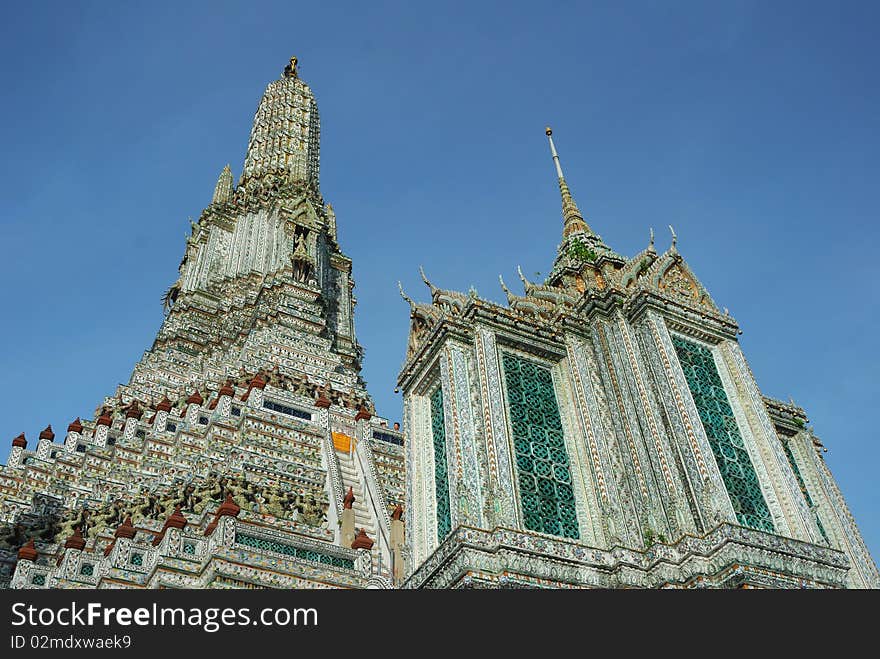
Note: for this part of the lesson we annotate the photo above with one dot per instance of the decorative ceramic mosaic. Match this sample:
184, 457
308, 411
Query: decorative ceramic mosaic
289, 550
543, 471
723, 433
803, 486
441, 475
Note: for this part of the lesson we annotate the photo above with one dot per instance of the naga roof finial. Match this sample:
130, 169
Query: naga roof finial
526, 283
651, 243
674, 237
425, 279
404, 295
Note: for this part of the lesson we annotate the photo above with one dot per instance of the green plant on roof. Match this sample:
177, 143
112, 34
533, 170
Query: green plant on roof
579, 251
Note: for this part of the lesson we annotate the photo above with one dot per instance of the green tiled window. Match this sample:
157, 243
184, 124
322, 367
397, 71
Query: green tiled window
441, 475
723, 433
543, 470
296, 552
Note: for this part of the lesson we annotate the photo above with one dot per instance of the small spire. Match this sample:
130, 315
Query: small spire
674, 237
223, 189
573, 219
47, 433
651, 243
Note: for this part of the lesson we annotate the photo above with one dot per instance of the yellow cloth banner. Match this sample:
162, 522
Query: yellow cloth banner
343, 442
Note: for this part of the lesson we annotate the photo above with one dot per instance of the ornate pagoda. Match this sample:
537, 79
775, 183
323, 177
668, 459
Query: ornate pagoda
603, 429
245, 450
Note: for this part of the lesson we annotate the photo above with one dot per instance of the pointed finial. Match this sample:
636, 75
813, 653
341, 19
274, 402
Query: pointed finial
651, 244
674, 237
573, 220
549, 133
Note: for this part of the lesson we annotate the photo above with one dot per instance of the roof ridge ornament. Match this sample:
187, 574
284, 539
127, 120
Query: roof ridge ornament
527, 285
431, 286
404, 295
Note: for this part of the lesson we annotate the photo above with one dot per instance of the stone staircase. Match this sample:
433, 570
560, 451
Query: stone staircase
364, 517
351, 477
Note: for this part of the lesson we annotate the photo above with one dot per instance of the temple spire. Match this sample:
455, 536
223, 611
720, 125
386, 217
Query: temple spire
573, 219
223, 189
286, 135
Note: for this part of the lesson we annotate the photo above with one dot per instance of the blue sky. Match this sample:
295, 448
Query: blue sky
752, 127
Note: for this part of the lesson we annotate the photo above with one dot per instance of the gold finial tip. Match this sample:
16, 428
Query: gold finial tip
548, 131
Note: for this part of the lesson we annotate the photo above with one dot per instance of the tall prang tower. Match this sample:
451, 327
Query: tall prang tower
603, 429
245, 450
